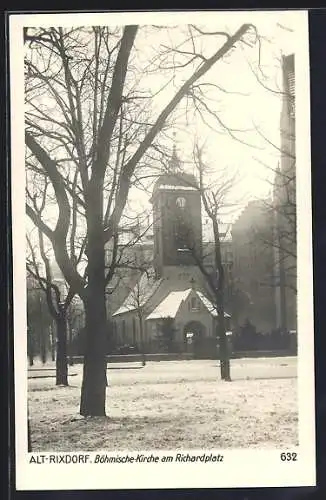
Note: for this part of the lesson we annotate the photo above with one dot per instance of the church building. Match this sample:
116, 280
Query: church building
168, 308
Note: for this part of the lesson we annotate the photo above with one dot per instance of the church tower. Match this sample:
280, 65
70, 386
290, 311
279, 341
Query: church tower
177, 219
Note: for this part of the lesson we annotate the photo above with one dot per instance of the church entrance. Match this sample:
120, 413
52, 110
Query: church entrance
194, 336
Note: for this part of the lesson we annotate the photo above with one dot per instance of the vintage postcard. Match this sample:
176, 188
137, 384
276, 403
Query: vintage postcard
162, 250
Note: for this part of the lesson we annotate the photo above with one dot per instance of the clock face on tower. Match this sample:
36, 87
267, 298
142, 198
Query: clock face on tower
181, 202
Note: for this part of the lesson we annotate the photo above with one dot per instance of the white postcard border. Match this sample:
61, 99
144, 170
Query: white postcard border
240, 468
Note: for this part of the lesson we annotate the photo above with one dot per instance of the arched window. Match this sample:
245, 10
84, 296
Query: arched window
195, 304
182, 232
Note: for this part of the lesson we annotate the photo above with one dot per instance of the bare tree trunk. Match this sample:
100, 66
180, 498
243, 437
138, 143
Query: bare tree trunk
141, 332
94, 374
52, 338
30, 346
69, 349
221, 333
42, 335
283, 315
61, 361
43, 352
224, 352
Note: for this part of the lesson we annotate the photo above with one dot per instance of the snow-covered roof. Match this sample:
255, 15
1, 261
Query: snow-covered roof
140, 294
178, 188
169, 306
209, 306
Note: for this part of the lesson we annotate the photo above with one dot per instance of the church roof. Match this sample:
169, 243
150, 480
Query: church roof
209, 306
140, 294
169, 306
174, 188
176, 180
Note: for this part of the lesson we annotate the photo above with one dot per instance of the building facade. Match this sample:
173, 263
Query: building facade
264, 236
285, 241
253, 264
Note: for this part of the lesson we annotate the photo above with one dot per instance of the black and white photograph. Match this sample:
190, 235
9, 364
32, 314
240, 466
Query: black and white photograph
162, 250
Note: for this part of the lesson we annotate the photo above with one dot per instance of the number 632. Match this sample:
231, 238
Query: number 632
289, 456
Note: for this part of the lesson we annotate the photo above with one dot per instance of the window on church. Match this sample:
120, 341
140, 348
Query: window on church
195, 305
181, 202
182, 235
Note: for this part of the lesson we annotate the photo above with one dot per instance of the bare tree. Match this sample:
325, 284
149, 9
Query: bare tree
88, 130
137, 299
38, 322
58, 302
58, 294
214, 201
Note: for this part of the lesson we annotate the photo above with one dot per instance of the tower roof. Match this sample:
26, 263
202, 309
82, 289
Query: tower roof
174, 178
172, 182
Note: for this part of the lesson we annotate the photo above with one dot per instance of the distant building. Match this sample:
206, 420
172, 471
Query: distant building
285, 242
264, 237
228, 264
253, 262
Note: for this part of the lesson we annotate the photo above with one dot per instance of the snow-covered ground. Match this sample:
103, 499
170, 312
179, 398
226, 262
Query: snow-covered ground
173, 404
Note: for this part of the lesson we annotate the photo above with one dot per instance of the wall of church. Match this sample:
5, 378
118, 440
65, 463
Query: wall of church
183, 277
193, 311
127, 330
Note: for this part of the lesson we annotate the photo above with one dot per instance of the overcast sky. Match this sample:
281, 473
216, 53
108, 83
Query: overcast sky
245, 105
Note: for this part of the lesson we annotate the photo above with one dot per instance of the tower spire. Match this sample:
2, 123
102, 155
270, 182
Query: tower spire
174, 162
